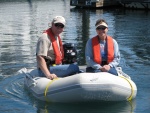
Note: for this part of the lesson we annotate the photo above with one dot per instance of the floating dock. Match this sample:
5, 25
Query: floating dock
135, 4
94, 3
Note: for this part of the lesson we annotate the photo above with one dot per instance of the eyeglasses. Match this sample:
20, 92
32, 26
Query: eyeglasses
59, 25
101, 28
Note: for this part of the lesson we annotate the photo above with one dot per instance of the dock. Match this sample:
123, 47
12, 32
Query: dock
94, 3
135, 4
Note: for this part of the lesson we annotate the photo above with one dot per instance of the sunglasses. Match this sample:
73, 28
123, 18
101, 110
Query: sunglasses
59, 25
101, 28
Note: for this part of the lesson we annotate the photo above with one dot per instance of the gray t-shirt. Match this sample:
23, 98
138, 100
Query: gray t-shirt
45, 48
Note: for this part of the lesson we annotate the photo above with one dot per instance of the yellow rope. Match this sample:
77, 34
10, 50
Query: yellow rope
47, 86
132, 90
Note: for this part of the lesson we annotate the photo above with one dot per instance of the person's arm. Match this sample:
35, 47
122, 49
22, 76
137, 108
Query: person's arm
89, 56
41, 52
116, 60
42, 65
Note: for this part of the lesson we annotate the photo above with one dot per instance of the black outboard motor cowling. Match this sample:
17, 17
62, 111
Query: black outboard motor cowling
70, 53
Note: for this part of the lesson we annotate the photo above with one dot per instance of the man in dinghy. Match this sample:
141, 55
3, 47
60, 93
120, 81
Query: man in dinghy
50, 53
102, 51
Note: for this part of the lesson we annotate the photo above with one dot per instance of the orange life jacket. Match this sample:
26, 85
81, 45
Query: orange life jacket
96, 49
58, 56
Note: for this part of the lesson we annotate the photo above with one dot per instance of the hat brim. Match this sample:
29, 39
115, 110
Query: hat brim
59, 22
102, 24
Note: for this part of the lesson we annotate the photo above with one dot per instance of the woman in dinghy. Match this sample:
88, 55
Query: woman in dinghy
102, 51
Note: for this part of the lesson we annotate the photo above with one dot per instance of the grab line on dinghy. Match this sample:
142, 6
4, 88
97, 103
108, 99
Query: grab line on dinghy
46, 89
132, 90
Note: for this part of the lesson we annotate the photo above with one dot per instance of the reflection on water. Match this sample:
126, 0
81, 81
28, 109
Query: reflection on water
114, 107
21, 23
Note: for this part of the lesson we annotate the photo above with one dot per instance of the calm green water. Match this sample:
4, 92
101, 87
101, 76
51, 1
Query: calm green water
21, 23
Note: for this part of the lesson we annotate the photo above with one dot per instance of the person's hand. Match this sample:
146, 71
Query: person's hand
52, 76
105, 68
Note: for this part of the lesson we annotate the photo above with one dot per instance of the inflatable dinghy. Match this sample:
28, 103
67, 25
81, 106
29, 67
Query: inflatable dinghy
81, 87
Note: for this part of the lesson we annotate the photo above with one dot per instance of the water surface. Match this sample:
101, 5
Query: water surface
21, 24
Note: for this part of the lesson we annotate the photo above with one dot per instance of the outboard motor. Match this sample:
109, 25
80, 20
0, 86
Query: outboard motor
70, 53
